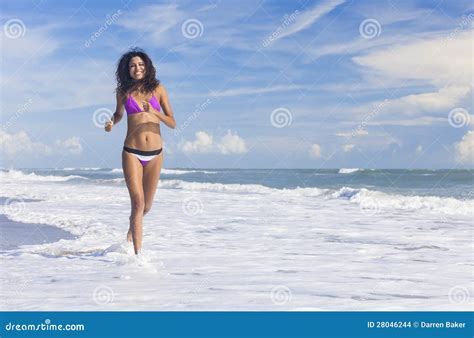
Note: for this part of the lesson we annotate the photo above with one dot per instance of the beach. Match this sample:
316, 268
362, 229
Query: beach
277, 240
14, 234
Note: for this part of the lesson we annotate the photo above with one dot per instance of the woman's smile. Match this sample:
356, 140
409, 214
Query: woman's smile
137, 68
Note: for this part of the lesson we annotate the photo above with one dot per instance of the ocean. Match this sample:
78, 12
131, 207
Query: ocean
239, 239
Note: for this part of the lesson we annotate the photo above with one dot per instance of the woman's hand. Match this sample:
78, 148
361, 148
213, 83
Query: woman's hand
148, 108
108, 125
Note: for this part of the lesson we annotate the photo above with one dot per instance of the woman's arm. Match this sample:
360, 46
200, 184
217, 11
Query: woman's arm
118, 109
167, 117
117, 116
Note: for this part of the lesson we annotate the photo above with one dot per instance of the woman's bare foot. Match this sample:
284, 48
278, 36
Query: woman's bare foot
129, 233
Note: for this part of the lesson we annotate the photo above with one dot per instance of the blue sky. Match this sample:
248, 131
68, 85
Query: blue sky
253, 84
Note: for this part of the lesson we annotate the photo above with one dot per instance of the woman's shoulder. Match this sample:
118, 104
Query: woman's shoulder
159, 89
120, 94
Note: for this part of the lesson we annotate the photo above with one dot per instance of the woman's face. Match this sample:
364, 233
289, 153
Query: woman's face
136, 68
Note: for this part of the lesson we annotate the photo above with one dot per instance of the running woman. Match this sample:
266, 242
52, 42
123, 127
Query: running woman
146, 102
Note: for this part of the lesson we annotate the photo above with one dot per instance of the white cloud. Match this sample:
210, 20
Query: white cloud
445, 98
435, 61
420, 121
419, 149
444, 61
413, 122
36, 43
22, 59
307, 18
374, 142
155, 21
348, 147
41, 84
20, 144
232, 143
70, 146
315, 151
202, 144
357, 132
465, 148
440, 101
254, 91
385, 18
351, 47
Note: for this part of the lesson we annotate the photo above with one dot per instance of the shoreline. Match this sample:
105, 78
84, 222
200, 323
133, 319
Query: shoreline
14, 234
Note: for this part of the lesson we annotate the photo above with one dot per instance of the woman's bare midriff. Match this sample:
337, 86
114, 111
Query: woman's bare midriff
143, 132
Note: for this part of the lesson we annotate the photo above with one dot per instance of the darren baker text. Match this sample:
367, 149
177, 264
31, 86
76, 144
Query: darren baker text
442, 325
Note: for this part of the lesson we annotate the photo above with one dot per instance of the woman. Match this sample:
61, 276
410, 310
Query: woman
146, 103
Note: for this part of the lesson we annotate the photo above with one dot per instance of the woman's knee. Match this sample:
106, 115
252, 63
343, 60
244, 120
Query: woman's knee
146, 208
138, 205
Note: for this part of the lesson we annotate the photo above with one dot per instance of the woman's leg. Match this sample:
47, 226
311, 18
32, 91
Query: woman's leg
133, 173
151, 176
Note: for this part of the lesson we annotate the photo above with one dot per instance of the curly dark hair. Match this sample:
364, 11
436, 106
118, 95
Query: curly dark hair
125, 82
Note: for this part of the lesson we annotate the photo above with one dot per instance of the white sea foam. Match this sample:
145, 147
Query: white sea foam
361, 196
17, 175
198, 186
185, 171
115, 181
172, 171
348, 170
211, 246
82, 168
381, 200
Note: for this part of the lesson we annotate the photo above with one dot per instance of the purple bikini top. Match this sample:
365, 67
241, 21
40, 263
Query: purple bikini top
132, 107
